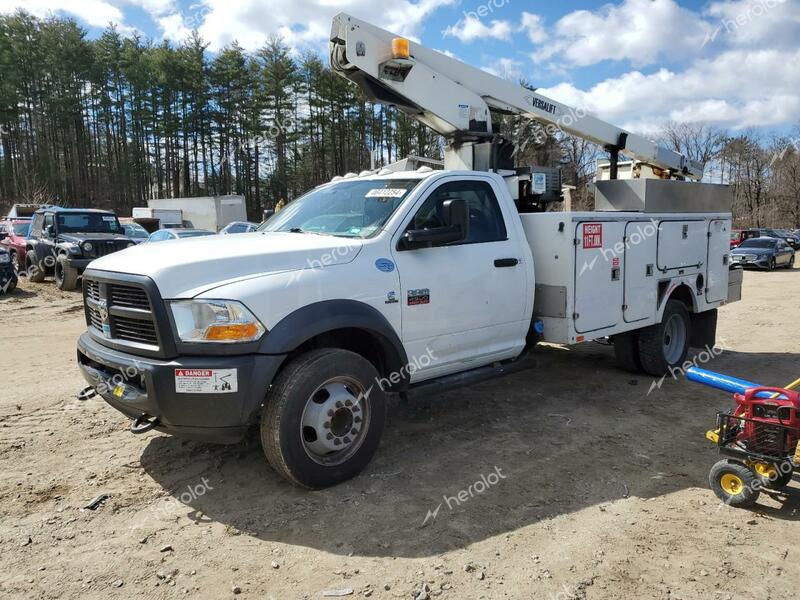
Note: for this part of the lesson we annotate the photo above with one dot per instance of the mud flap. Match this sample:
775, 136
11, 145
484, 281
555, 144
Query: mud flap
704, 329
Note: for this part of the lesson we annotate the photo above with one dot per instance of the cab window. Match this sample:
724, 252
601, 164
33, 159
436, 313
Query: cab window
486, 222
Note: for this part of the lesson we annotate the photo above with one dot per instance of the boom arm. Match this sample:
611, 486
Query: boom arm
454, 98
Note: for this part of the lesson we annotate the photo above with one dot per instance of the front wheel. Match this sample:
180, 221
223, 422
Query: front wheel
66, 276
771, 265
664, 346
15, 264
791, 263
734, 483
323, 418
34, 267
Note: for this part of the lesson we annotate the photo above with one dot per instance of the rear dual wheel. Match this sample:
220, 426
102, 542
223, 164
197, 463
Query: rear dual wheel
658, 348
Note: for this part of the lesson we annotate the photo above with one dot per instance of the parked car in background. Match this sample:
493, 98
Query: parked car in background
740, 235
764, 253
162, 235
136, 232
239, 227
13, 237
782, 234
63, 241
8, 277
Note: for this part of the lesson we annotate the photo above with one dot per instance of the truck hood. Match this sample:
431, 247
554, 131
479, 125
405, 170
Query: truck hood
188, 267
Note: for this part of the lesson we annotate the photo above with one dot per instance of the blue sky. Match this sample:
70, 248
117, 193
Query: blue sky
637, 63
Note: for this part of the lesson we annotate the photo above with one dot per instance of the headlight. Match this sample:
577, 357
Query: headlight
87, 246
219, 321
4, 258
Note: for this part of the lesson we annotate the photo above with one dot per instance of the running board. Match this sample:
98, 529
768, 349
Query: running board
439, 385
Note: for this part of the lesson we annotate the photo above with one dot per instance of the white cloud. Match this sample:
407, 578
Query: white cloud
533, 26
755, 22
305, 22
737, 88
96, 13
507, 68
640, 31
471, 28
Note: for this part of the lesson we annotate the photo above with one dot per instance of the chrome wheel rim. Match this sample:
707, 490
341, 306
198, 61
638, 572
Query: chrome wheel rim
674, 339
335, 421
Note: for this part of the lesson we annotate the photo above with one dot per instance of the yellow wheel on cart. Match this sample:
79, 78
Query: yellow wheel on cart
734, 483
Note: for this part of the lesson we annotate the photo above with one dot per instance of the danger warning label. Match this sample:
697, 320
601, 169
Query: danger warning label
592, 235
206, 381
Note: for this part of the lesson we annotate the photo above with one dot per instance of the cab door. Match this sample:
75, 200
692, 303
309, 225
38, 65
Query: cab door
462, 303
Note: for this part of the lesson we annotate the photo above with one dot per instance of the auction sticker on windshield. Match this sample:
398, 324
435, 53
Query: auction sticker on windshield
386, 193
206, 381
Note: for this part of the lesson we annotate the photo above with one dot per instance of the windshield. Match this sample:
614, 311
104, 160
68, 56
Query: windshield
356, 209
88, 223
21, 229
758, 243
134, 230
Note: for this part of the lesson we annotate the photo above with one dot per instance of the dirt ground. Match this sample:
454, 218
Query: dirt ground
591, 487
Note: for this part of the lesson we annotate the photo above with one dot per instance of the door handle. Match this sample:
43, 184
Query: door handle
506, 262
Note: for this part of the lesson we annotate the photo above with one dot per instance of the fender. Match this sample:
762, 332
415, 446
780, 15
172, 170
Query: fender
329, 315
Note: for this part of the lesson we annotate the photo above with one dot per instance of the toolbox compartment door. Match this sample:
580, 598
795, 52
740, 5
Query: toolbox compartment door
641, 282
599, 268
719, 236
681, 245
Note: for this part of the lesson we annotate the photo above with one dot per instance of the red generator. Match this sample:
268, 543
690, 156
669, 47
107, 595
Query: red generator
760, 438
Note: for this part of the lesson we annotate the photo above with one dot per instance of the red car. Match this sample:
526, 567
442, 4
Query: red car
740, 235
13, 234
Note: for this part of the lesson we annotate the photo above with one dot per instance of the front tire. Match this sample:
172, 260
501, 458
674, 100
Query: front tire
15, 264
734, 484
323, 418
34, 267
66, 276
664, 346
791, 263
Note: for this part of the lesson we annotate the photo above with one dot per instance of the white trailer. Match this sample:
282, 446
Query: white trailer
206, 212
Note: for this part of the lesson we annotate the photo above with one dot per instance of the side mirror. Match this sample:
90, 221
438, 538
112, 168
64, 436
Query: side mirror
456, 228
49, 231
3, 235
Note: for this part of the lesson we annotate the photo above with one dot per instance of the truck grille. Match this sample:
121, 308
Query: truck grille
106, 247
130, 297
120, 312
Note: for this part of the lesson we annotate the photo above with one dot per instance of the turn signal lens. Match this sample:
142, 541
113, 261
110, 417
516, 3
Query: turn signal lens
400, 48
235, 332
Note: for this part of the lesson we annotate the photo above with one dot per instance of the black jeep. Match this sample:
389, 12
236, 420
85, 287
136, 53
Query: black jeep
8, 277
64, 240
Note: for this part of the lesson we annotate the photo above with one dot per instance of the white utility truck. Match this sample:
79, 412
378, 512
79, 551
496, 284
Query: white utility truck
401, 281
